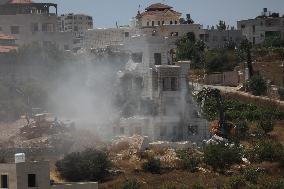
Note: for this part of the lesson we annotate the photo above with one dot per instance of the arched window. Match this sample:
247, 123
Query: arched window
176, 22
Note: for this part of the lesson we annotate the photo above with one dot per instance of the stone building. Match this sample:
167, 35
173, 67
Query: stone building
159, 20
32, 22
165, 109
258, 29
23, 175
158, 14
101, 38
77, 24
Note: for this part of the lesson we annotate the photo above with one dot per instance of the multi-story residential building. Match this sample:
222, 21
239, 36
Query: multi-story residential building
32, 22
158, 14
78, 24
166, 110
258, 29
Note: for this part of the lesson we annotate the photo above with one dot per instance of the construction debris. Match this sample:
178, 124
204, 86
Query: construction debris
44, 125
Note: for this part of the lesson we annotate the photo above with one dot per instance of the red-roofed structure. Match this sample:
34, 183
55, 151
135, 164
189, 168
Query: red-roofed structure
158, 14
158, 6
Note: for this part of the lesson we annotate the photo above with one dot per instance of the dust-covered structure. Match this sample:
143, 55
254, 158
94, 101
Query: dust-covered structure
30, 22
154, 94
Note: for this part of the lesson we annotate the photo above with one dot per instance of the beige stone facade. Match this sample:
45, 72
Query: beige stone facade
26, 175
158, 14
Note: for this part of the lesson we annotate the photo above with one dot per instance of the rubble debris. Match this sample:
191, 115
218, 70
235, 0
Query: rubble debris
43, 125
159, 145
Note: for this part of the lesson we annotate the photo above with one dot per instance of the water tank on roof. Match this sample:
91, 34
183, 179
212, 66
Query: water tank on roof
20, 158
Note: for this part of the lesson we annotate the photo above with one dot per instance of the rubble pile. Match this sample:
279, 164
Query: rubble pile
137, 148
43, 126
170, 159
127, 148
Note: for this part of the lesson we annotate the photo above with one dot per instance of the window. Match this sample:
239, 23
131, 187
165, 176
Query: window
31, 180
170, 84
153, 23
138, 130
34, 27
176, 22
171, 22
159, 23
121, 130
163, 22
15, 29
173, 84
4, 181
192, 130
148, 23
126, 34
76, 28
253, 28
163, 131
158, 58
48, 27
137, 57
243, 26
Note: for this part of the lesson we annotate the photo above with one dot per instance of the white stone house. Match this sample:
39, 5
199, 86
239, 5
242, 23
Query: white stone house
164, 86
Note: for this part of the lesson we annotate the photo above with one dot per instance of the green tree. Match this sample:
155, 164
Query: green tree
257, 85
222, 156
221, 25
89, 165
266, 150
190, 49
152, 165
244, 51
267, 125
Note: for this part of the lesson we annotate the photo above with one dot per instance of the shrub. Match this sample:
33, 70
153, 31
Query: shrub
281, 93
131, 184
251, 175
257, 85
89, 165
188, 163
198, 185
267, 125
222, 156
152, 165
266, 150
273, 184
242, 128
168, 186
237, 182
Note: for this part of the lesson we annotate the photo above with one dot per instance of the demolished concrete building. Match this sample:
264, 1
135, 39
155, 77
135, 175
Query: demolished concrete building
165, 108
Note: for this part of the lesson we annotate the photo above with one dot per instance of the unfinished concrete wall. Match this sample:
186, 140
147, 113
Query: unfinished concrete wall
225, 78
87, 185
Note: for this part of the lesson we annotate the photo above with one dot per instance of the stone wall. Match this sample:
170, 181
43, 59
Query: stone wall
87, 185
225, 78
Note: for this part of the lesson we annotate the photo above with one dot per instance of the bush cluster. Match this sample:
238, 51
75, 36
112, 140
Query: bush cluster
89, 165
